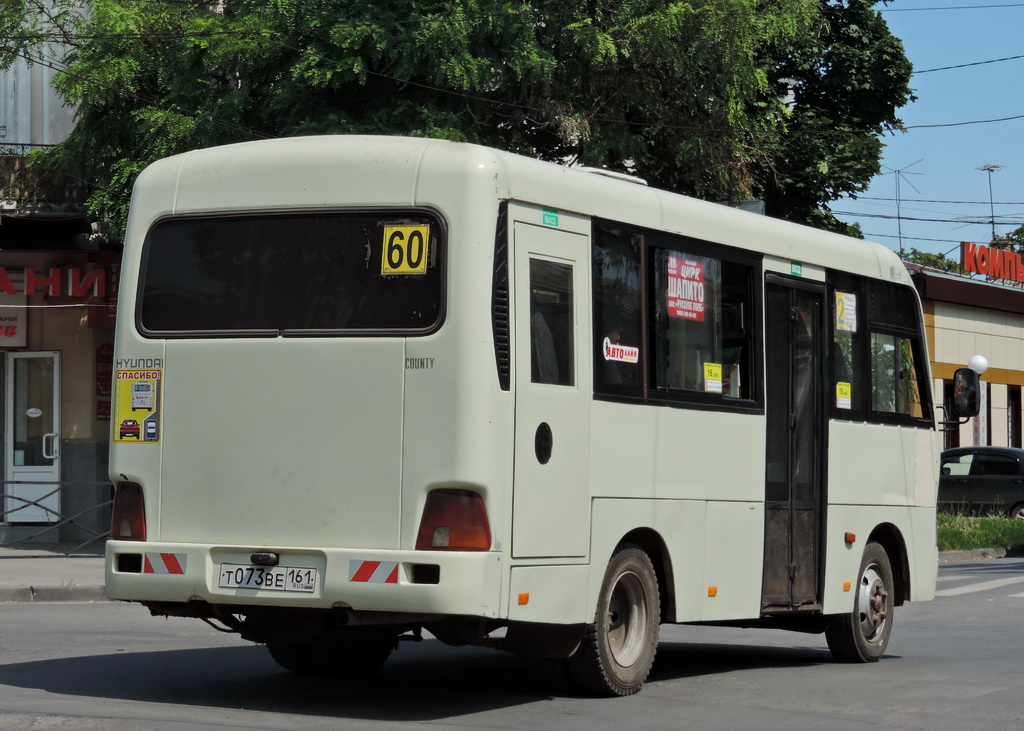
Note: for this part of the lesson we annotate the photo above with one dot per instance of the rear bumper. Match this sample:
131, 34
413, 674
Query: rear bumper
463, 583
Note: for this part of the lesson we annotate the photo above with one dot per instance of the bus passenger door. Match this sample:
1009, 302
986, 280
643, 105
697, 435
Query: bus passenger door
551, 503
794, 479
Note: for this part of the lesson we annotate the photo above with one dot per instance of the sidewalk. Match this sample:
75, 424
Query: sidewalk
45, 574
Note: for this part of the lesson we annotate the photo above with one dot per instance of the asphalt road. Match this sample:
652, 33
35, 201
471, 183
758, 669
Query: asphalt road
954, 663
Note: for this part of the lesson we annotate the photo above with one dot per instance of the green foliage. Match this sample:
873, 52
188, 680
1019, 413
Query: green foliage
935, 261
1016, 239
848, 81
963, 533
690, 95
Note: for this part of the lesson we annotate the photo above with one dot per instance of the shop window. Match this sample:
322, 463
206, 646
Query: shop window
951, 431
1013, 420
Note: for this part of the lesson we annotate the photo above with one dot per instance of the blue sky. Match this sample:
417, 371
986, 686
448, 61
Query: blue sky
943, 196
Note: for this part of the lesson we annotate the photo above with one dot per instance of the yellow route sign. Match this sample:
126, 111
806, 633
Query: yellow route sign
405, 250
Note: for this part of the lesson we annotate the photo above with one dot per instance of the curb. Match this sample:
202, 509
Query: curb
69, 593
977, 554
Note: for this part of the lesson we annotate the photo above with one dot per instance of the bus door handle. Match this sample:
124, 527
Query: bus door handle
50, 445
543, 441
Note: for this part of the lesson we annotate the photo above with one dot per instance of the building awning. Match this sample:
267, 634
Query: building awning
940, 286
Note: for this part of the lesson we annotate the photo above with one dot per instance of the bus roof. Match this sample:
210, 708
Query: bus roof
331, 171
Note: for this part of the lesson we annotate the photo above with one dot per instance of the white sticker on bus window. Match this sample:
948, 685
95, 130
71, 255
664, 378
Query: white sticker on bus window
621, 353
713, 377
846, 312
844, 395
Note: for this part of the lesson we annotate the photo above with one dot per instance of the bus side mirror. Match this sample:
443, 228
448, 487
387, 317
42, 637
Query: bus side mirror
965, 392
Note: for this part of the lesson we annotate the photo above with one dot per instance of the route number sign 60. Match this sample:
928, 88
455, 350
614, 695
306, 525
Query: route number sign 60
405, 250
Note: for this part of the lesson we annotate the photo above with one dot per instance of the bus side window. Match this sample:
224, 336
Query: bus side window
551, 323
894, 380
847, 375
701, 315
898, 386
877, 358
617, 311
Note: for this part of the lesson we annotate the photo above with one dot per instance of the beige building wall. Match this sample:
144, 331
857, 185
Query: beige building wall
959, 332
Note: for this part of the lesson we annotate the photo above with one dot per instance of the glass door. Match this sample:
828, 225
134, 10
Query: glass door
32, 437
794, 480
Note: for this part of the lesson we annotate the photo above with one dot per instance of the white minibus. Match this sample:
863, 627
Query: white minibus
414, 385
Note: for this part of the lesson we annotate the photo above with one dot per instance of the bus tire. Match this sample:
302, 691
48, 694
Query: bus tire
353, 658
618, 649
863, 634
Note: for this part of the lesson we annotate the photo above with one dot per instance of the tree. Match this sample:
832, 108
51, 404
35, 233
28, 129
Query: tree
1015, 239
690, 95
934, 261
847, 84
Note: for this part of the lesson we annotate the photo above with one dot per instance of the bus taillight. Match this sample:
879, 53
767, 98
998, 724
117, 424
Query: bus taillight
128, 519
454, 520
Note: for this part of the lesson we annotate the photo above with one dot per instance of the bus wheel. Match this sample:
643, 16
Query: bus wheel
862, 635
352, 657
618, 649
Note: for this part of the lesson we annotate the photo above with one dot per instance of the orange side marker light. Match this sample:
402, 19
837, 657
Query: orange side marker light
712, 591
846, 586
524, 598
850, 537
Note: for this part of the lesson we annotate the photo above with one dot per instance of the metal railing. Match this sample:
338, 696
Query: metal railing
20, 149
29, 190
88, 527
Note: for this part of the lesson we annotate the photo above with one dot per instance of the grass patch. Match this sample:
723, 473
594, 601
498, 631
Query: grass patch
962, 532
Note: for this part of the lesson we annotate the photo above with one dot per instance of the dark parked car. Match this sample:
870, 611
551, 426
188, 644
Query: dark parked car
983, 481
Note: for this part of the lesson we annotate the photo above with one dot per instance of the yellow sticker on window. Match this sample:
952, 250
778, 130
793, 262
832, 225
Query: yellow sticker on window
713, 377
405, 250
844, 395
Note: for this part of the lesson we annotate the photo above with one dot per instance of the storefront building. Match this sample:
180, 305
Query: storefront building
56, 347
965, 317
58, 283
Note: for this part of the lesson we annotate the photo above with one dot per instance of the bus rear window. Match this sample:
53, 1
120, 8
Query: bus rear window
297, 273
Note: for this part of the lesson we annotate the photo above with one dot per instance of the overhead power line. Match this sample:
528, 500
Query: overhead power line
869, 235
952, 7
964, 124
927, 200
971, 220
967, 65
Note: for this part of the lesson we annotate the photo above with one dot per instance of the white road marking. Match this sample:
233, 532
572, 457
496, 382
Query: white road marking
982, 586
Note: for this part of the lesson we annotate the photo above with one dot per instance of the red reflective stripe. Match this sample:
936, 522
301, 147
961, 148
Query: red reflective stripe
366, 571
171, 562
148, 568
393, 576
